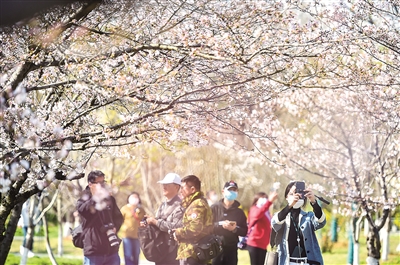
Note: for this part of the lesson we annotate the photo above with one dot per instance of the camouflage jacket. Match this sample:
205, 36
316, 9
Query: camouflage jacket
197, 223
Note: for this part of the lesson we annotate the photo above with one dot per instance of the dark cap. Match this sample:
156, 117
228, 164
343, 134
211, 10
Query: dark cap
230, 184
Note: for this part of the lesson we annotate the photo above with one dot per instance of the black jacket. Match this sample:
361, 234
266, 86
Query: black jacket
95, 240
234, 213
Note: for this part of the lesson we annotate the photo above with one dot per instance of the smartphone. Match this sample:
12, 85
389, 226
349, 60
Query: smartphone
144, 220
300, 187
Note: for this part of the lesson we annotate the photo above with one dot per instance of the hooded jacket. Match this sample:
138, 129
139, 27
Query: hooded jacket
234, 213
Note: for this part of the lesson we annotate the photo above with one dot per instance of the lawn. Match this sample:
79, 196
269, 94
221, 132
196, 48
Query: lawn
339, 250
73, 256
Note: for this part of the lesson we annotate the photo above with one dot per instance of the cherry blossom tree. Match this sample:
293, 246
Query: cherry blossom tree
349, 136
352, 151
89, 76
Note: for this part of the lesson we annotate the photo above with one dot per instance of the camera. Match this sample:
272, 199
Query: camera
170, 237
300, 187
144, 221
112, 237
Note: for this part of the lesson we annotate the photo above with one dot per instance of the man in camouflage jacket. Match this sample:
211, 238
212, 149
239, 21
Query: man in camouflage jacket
197, 220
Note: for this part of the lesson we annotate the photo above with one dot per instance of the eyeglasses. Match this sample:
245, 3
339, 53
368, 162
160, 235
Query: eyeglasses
99, 182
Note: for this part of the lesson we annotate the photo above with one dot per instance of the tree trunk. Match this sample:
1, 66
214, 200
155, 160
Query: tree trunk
7, 239
373, 246
351, 226
334, 234
60, 227
366, 227
357, 229
356, 259
385, 239
145, 186
48, 247
373, 238
31, 228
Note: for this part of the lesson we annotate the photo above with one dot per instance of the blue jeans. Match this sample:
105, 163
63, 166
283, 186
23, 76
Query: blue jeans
131, 251
112, 259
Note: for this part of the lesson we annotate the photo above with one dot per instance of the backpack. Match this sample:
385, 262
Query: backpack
154, 243
77, 236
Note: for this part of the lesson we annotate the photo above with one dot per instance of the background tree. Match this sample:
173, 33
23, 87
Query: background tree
355, 153
213, 164
354, 131
158, 71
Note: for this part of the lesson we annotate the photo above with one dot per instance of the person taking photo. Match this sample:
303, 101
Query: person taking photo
298, 227
101, 220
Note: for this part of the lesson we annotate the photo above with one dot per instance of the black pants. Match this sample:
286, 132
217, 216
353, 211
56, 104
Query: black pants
228, 257
257, 255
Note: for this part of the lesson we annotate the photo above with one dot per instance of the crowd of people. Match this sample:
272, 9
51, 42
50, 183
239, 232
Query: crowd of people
187, 215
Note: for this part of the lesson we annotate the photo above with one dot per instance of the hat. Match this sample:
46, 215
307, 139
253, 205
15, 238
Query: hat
171, 178
230, 184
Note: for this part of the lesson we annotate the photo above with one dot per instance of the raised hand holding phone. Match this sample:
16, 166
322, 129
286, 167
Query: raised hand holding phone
300, 188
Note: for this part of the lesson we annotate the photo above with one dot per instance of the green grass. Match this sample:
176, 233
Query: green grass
74, 256
14, 260
339, 250
338, 254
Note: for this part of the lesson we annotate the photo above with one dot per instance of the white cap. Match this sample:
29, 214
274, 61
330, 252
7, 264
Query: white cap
171, 178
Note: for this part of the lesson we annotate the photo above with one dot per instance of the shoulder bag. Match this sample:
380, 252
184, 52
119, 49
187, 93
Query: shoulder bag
272, 256
208, 247
78, 235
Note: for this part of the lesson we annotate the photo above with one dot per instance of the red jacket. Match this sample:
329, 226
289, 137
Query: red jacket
261, 231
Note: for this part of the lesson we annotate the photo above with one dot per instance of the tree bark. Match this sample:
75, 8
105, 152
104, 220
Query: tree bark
351, 226
373, 238
356, 257
60, 247
6, 241
385, 239
48, 247
373, 246
31, 228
